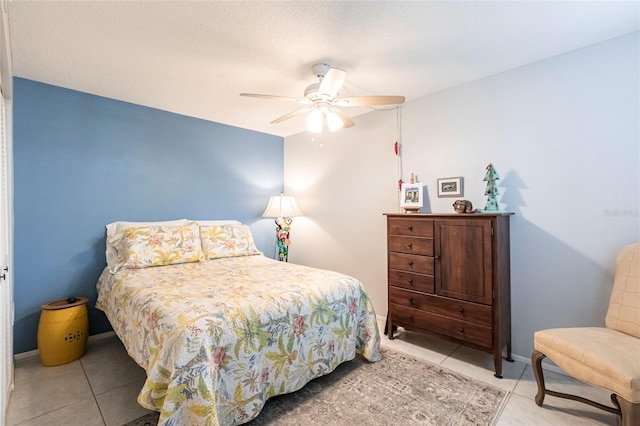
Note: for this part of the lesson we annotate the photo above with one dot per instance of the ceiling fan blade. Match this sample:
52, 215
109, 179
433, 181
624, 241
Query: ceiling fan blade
370, 100
281, 98
348, 122
332, 82
291, 115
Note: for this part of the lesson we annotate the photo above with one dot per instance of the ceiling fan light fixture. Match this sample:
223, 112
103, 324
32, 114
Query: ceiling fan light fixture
334, 122
315, 121
323, 96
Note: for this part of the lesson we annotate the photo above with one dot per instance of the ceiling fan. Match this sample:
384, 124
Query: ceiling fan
323, 103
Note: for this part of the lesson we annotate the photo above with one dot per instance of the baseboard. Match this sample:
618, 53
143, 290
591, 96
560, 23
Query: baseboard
101, 336
522, 359
26, 355
36, 353
547, 364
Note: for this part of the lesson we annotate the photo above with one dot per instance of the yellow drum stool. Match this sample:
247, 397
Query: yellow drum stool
63, 331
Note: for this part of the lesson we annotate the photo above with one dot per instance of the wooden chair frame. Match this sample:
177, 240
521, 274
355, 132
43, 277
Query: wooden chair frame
628, 412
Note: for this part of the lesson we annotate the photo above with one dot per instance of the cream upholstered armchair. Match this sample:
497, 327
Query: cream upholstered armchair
607, 357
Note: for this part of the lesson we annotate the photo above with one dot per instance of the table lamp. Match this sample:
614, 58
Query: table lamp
282, 208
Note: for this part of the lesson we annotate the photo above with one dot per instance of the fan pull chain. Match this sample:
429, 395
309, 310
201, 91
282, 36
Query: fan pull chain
314, 138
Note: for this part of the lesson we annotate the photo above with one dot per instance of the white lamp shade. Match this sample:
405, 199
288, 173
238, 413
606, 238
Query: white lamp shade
282, 206
315, 121
334, 122
319, 116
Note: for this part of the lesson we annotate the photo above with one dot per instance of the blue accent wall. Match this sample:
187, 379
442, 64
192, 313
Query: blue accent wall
82, 161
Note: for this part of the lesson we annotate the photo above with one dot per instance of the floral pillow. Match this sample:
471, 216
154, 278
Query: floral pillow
161, 245
115, 251
227, 240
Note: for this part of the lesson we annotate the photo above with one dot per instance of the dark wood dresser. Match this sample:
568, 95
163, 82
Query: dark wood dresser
449, 274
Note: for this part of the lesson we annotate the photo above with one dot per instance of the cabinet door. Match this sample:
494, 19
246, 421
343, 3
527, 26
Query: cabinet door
463, 263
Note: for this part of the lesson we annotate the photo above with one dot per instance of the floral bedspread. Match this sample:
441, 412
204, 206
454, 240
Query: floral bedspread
218, 338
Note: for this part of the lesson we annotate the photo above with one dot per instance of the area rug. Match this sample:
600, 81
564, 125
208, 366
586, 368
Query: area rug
398, 390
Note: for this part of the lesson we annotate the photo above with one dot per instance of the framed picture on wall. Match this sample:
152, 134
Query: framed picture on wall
450, 187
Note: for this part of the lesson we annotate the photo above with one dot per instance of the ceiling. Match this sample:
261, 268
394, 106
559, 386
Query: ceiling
195, 57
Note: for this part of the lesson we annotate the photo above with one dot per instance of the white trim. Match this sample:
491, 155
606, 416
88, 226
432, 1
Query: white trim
547, 364
6, 214
35, 353
97, 337
6, 68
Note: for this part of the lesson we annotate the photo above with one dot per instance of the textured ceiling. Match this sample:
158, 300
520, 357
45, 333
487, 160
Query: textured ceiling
195, 57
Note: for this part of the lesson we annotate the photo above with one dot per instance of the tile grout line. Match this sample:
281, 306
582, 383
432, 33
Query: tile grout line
95, 399
507, 398
47, 413
449, 355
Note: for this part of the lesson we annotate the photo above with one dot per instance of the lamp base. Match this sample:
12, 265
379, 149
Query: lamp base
283, 226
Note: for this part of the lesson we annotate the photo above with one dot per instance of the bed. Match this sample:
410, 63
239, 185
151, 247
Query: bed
218, 327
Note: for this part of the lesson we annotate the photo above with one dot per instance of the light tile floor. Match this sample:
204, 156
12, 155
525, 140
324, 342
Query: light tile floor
101, 388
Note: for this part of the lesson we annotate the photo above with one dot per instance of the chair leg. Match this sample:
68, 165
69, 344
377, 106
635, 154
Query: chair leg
629, 411
536, 364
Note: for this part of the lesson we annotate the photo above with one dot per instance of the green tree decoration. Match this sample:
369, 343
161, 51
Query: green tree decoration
491, 176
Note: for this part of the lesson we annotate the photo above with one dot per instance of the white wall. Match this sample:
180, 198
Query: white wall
564, 135
343, 186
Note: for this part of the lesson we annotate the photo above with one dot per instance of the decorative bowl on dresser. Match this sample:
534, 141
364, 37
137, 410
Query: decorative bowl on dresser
449, 274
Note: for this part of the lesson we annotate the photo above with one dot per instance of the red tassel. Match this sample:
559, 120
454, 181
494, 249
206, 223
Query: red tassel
395, 147
400, 185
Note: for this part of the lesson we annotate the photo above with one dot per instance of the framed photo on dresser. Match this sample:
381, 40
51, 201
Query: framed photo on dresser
411, 196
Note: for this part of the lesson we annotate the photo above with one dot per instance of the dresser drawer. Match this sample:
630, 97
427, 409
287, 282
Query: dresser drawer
416, 319
411, 263
410, 226
417, 282
411, 245
452, 308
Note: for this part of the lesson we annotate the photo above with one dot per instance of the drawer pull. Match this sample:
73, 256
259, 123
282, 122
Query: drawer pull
411, 281
411, 300
461, 330
410, 245
461, 310
411, 263
410, 227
